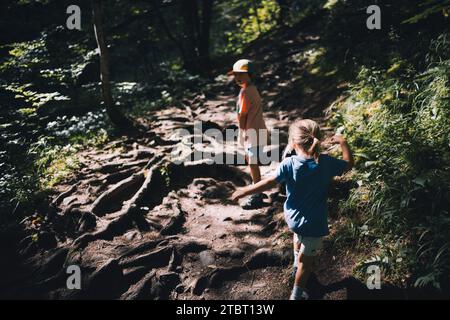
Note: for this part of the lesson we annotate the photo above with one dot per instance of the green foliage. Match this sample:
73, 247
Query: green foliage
23, 57
260, 18
33, 98
54, 162
398, 122
396, 115
48, 160
175, 84
349, 44
165, 173
430, 7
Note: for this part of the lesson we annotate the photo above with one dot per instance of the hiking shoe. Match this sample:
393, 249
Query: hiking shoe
254, 202
303, 296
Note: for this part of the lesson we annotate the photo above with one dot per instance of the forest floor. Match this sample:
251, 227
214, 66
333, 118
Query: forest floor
140, 226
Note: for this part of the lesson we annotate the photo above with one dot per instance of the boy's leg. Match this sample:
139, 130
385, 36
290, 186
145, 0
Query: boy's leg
255, 173
255, 201
251, 157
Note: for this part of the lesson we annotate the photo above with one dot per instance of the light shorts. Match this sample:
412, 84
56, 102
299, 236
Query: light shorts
310, 246
253, 155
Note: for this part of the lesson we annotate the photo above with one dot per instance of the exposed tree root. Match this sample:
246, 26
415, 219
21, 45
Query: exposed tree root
141, 290
103, 200
155, 259
125, 218
107, 282
121, 165
133, 237
119, 175
265, 257
216, 277
65, 194
175, 223
133, 275
145, 246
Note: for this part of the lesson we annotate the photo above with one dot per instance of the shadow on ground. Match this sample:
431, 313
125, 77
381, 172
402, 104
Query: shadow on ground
357, 290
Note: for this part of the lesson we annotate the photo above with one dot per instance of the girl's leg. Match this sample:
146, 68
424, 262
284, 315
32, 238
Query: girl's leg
308, 250
296, 250
304, 268
301, 278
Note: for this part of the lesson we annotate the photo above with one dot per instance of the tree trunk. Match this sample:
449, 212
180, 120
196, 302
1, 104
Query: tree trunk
190, 17
116, 117
204, 38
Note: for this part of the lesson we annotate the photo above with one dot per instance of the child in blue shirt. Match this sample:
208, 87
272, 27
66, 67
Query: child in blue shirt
307, 175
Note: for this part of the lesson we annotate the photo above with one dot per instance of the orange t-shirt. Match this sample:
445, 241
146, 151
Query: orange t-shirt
249, 103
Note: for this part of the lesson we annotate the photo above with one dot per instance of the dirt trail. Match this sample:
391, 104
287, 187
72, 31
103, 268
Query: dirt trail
142, 227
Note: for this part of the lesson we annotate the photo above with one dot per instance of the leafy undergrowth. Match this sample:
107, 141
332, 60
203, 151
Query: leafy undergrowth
44, 163
397, 121
395, 116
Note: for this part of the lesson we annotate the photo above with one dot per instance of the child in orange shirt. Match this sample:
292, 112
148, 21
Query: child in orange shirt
252, 128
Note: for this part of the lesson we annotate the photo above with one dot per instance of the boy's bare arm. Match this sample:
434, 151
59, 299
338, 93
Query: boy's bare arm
259, 187
244, 111
242, 120
347, 154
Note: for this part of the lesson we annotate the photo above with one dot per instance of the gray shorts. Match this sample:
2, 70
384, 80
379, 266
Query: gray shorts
253, 154
310, 246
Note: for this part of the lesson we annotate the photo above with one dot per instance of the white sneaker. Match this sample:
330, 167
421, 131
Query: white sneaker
303, 296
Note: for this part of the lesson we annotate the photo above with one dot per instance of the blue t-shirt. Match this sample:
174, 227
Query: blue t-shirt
307, 185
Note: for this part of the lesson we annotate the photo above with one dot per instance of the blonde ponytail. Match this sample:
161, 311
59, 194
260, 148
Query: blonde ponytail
306, 134
314, 150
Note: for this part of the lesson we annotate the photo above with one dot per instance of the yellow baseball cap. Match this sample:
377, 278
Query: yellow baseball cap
242, 65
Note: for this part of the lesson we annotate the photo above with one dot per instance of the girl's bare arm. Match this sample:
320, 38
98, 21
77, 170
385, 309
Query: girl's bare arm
346, 151
261, 186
